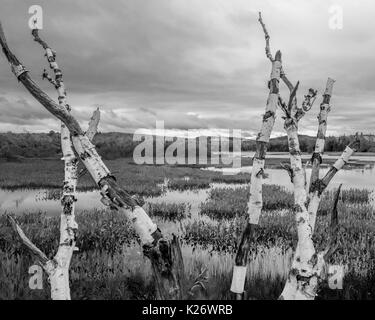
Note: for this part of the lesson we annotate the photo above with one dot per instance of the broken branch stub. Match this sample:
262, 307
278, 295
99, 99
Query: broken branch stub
164, 267
93, 124
27, 242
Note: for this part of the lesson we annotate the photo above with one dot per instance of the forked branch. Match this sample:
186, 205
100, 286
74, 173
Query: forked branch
27, 242
166, 266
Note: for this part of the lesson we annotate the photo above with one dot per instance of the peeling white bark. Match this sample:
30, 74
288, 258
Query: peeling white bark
165, 255
308, 267
238, 279
315, 195
322, 129
58, 268
142, 223
255, 200
303, 264
90, 157
255, 203
344, 158
329, 87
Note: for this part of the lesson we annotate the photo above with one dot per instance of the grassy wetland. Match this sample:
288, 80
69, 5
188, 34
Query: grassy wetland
205, 208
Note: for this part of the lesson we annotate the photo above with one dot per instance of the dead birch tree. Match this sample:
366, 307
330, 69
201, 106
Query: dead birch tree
255, 201
308, 268
165, 255
57, 268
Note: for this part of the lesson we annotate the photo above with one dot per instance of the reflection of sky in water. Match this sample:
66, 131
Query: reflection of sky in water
20, 201
305, 156
363, 178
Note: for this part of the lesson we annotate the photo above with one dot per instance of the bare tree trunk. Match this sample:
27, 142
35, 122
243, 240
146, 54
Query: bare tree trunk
302, 265
308, 267
59, 273
155, 247
255, 201
319, 146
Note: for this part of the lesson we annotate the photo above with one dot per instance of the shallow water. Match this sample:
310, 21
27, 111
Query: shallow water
20, 201
361, 178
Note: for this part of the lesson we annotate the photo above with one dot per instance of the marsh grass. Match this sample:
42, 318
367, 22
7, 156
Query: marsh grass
188, 184
110, 263
228, 203
169, 211
145, 180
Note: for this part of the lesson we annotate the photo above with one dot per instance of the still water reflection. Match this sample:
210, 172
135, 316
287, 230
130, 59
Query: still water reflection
21, 201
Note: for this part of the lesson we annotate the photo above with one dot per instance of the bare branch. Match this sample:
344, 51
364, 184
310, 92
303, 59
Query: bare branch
306, 104
283, 107
26, 241
93, 124
320, 140
35, 33
288, 169
23, 76
286, 80
339, 164
267, 37
293, 97
291, 111
309, 100
318, 187
45, 75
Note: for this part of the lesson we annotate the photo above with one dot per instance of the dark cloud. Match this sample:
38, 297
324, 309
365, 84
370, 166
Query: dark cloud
191, 63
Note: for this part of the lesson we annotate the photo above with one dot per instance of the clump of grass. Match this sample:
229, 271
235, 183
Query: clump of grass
98, 229
349, 197
239, 178
188, 184
227, 203
224, 235
169, 211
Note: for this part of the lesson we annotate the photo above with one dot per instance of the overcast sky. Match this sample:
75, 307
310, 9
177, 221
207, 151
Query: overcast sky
195, 64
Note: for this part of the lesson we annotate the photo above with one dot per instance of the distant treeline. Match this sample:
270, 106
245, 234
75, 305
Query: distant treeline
115, 145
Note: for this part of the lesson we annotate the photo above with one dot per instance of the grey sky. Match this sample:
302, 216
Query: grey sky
192, 63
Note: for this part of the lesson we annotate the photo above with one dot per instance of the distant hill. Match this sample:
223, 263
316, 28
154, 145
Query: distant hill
113, 145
